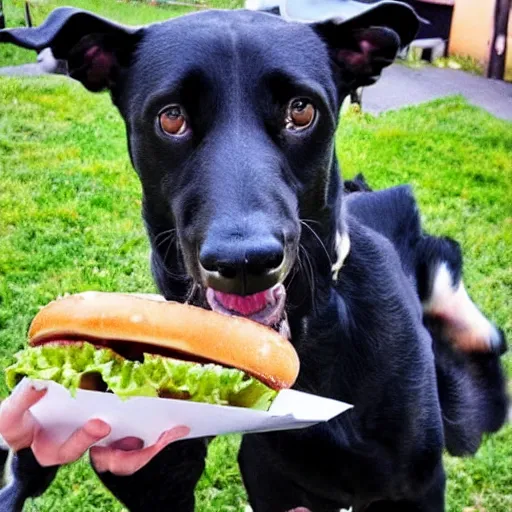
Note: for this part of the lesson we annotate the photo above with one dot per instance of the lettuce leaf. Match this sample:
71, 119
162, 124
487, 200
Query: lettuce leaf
155, 376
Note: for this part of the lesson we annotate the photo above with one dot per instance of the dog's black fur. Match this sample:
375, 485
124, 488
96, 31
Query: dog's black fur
239, 181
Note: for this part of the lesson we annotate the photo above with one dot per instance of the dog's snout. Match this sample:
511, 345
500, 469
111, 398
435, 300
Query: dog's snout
243, 267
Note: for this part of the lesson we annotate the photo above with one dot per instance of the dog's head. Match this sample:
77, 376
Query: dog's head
230, 119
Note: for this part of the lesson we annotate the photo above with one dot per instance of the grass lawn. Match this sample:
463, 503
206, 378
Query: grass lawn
70, 221
131, 12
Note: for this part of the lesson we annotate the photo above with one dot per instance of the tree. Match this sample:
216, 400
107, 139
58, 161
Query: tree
498, 50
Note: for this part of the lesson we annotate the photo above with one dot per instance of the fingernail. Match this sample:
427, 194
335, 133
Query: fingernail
182, 430
35, 394
174, 434
98, 428
39, 386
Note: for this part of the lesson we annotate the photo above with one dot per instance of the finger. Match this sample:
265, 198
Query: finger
17, 425
50, 453
128, 444
122, 463
14, 407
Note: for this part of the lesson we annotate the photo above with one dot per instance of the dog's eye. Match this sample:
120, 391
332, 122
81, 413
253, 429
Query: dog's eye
300, 114
173, 121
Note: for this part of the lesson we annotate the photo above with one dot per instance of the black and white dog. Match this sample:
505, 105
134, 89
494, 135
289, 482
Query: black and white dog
230, 119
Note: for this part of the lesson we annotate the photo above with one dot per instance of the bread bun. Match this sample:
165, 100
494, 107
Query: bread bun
228, 340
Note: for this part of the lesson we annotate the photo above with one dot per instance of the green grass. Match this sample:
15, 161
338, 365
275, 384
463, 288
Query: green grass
70, 221
129, 12
461, 62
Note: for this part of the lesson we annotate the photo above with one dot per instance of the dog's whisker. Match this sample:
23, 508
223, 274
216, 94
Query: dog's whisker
312, 221
172, 275
168, 238
167, 250
177, 277
167, 234
307, 269
194, 288
304, 223
293, 272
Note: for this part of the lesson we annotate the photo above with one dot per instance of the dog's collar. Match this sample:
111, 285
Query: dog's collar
342, 249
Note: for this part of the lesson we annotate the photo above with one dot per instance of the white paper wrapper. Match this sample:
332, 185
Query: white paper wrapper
146, 418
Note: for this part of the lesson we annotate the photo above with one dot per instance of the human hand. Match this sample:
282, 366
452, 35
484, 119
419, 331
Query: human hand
20, 429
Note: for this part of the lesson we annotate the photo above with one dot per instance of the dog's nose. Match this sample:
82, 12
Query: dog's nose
242, 267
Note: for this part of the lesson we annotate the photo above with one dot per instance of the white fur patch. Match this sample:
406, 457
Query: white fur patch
467, 325
442, 290
342, 250
6, 477
260, 5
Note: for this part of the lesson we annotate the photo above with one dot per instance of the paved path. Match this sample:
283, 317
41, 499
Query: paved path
400, 86
23, 70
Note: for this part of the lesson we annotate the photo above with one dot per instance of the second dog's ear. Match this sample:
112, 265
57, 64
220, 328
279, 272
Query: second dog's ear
363, 46
93, 48
363, 53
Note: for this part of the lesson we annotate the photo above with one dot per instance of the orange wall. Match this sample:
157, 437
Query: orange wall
472, 28
471, 31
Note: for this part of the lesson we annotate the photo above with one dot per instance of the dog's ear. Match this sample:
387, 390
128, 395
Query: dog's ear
363, 46
93, 49
361, 53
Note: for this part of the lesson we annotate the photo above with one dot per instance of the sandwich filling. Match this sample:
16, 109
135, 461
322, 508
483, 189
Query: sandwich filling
86, 365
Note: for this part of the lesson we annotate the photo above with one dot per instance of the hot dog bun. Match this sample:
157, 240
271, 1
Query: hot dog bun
228, 340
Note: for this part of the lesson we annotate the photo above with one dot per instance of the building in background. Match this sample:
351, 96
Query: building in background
480, 29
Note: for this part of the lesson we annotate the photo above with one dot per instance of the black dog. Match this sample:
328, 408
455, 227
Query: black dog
230, 119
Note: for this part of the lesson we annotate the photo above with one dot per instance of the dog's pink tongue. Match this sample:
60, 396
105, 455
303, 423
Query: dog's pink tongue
246, 306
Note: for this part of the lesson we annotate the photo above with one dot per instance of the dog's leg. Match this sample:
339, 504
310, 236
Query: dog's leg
268, 488
4, 463
432, 501
471, 382
166, 484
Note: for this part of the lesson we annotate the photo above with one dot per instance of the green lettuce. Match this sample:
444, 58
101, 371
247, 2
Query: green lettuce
155, 376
